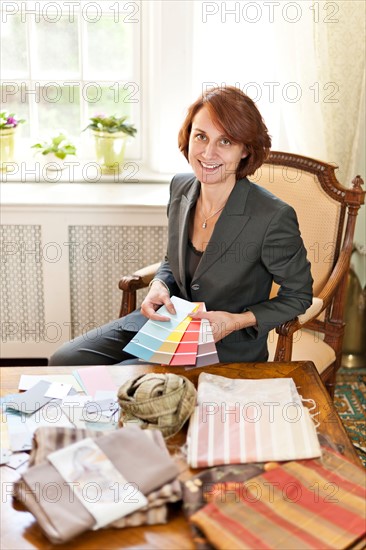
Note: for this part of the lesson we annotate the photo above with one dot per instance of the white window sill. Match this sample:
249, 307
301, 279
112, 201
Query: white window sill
85, 195
84, 185
75, 171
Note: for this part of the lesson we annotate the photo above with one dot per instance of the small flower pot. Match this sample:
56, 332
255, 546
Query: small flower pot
6, 147
110, 150
53, 163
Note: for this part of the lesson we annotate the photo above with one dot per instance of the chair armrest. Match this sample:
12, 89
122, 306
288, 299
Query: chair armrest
319, 304
340, 270
131, 283
286, 330
140, 279
313, 311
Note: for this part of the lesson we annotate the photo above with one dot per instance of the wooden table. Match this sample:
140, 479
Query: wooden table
19, 530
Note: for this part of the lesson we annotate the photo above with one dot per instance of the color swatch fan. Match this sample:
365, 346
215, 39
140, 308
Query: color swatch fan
179, 341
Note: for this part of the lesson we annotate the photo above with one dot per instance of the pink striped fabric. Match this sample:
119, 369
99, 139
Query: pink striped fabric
241, 421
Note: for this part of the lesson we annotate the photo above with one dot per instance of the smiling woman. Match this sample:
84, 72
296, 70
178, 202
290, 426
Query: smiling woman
238, 122
224, 138
215, 216
212, 154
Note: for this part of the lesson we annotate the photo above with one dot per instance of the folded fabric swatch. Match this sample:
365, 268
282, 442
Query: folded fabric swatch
196, 487
156, 510
305, 504
239, 421
163, 401
133, 452
49, 439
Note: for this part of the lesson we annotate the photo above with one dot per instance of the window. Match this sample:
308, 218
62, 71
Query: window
63, 61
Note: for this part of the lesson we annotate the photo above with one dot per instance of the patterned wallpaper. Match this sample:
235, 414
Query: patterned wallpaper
99, 257
21, 288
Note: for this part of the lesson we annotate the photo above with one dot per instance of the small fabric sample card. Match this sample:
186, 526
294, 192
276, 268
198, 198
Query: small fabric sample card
31, 400
20, 438
75, 409
105, 406
27, 381
17, 459
180, 341
99, 486
85, 412
58, 390
5, 455
95, 378
7, 399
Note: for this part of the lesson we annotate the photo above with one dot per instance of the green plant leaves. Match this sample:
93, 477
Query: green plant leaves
58, 144
111, 124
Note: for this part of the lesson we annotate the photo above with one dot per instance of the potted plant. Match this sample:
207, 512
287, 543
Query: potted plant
55, 149
8, 125
110, 135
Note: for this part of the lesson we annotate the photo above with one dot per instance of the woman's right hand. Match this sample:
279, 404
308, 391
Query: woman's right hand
157, 296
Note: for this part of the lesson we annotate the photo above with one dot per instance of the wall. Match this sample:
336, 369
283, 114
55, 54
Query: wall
64, 249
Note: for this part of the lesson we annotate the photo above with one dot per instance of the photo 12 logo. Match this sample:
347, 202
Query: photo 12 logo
52, 12
269, 12
289, 92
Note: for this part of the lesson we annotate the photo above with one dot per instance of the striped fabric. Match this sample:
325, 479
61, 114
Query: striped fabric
309, 504
241, 421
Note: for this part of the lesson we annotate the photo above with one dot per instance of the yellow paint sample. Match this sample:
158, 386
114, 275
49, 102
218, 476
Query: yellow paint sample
168, 347
172, 341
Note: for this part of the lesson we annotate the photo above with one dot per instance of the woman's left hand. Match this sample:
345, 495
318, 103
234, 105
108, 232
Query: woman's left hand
224, 323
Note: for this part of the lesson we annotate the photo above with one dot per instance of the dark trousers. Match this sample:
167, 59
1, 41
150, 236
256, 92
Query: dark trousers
101, 346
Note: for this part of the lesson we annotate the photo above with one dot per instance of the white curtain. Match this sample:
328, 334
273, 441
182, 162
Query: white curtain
340, 54
303, 64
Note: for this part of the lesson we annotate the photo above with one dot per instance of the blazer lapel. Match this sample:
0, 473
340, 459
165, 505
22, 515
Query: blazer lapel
186, 204
227, 228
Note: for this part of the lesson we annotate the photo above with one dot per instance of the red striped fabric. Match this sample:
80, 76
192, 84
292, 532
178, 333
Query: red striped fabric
304, 537
281, 508
337, 479
328, 510
239, 531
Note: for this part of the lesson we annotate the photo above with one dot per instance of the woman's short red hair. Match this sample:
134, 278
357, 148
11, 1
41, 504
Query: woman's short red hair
238, 116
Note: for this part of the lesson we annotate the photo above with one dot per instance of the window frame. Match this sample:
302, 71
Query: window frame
31, 87
165, 42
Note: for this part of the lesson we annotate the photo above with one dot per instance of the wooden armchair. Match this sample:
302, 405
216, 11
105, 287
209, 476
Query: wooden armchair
327, 214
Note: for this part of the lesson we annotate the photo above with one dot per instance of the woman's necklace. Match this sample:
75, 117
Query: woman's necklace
205, 218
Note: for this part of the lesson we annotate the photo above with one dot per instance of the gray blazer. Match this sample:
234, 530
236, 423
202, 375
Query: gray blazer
256, 241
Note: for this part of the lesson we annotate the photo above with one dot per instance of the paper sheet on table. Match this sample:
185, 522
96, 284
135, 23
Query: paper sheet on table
95, 378
31, 400
28, 380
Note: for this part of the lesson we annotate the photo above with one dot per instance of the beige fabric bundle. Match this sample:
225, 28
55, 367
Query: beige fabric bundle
141, 457
163, 401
